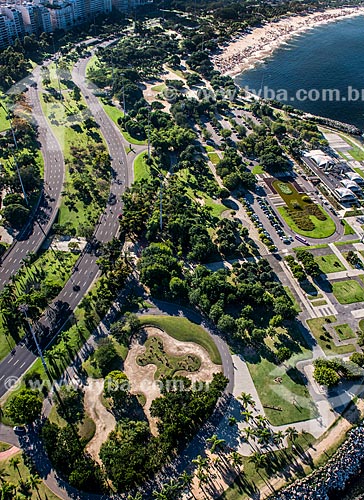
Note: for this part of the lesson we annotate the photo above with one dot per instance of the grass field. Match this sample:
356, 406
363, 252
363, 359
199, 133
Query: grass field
290, 394
347, 228
15, 475
141, 169
348, 292
323, 339
329, 264
344, 332
317, 303
214, 158
184, 330
258, 169
4, 123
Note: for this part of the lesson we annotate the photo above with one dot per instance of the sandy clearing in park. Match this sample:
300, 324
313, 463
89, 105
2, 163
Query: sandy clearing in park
141, 378
257, 45
104, 420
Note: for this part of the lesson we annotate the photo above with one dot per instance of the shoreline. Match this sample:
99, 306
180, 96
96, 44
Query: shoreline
254, 47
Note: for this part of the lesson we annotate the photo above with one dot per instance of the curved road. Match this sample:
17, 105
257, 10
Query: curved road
53, 184
86, 269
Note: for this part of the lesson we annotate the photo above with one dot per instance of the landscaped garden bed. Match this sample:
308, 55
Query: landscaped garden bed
301, 214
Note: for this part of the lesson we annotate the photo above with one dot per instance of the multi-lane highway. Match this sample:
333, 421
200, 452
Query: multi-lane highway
53, 182
86, 269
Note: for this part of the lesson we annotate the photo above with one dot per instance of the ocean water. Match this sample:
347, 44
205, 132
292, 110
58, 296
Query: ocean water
320, 71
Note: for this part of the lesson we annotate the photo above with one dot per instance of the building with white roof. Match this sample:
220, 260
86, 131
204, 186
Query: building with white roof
344, 194
353, 176
352, 185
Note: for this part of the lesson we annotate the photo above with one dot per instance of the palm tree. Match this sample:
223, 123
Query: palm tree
259, 460
262, 420
186, 479
34, 480
3, 475
232, 420
14, 462
201, 462
248, 415
278, 437
264, 436
291, 434
7, 491
236, 459
137, 496
247, 399
215, 442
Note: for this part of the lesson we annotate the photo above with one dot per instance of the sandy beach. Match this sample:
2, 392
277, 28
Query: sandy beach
254, 47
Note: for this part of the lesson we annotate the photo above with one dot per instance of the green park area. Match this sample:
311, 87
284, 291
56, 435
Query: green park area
280, 385
319, 330
167, 364
214, 158
47, 276
4, 122
329, 263
87, 161
348, 291
258, 170
184, 330
301, 214
196, 192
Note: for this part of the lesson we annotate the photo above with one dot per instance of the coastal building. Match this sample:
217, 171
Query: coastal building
128, 5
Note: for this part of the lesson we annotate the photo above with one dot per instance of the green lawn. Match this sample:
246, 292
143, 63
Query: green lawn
348, 291
357, 153
4, 123
347, 228
159, 88
184, 330
325, 340
317, 303
258, 169
115, 113
344, 332
323, 229
141, 169
4, 446
281, 385
22, 472
214, 158
359, 171
329, 264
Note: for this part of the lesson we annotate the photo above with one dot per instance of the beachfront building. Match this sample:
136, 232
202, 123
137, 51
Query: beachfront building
128, 5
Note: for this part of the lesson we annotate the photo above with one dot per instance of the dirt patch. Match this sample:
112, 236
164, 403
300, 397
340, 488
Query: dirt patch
9, 453
104, 420
142, 377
